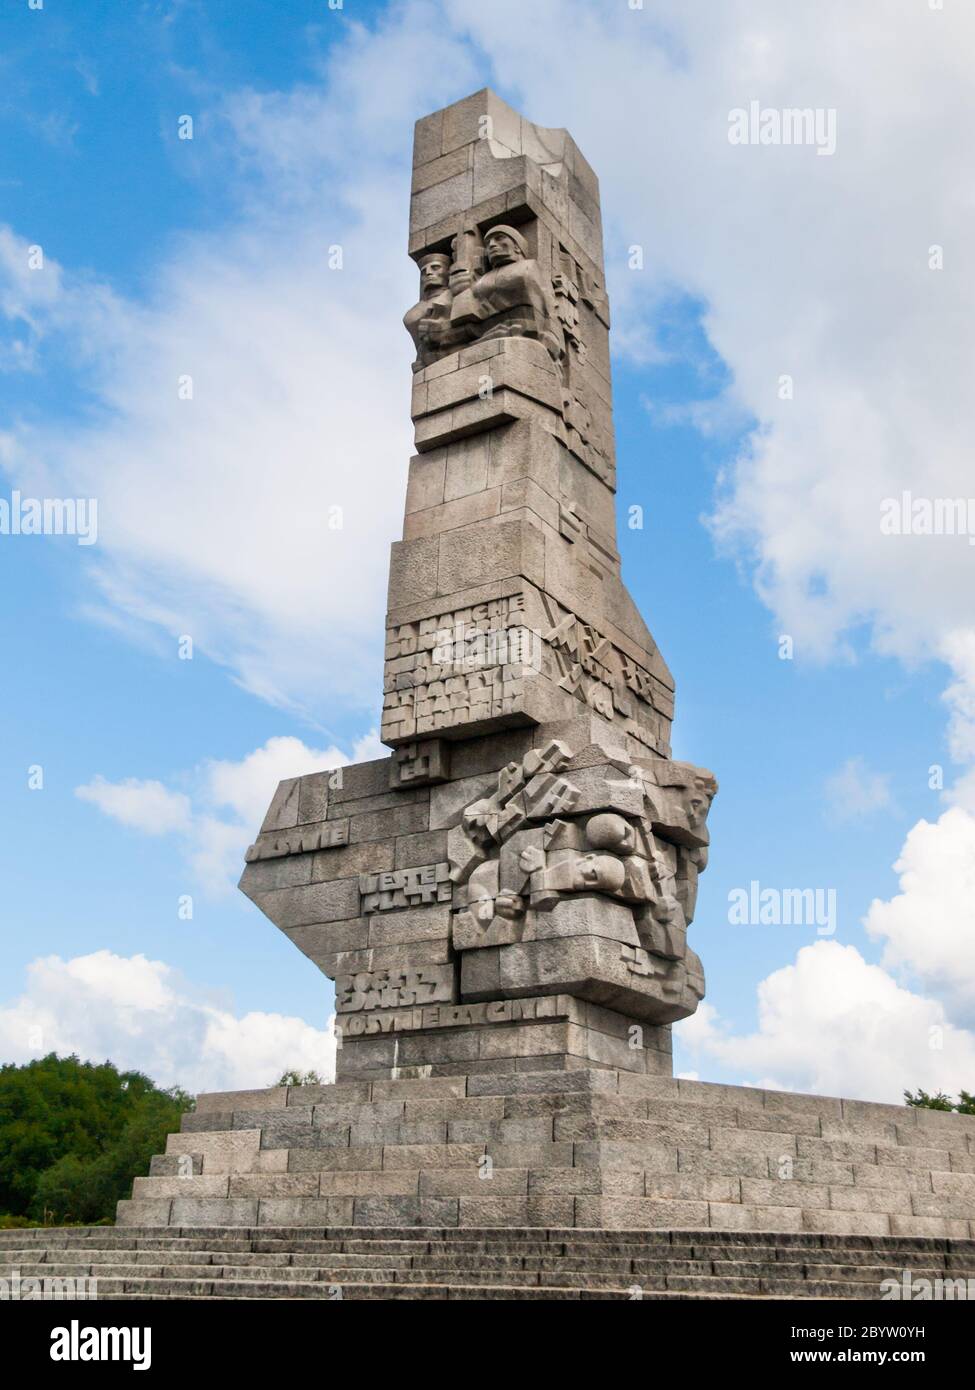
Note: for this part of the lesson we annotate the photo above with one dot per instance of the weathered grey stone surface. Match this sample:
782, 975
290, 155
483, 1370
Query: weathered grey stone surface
335, 1260
583, 1147
504, 902
529, 836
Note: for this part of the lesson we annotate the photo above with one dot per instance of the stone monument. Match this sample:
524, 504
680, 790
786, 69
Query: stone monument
504, 901
516, 881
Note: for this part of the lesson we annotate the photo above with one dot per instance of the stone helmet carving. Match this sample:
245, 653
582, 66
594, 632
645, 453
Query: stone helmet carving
515, 236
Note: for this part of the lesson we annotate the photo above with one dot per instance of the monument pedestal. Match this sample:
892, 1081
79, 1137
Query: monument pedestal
549, 1032
594, 1148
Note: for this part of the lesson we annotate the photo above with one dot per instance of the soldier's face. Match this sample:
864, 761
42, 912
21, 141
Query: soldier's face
501, 250
434, 274
698, 805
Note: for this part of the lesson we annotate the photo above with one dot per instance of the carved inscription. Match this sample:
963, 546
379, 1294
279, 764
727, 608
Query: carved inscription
327, 836
419, 764
459, 1015
594, 670
393, 989
456, 668
404, 888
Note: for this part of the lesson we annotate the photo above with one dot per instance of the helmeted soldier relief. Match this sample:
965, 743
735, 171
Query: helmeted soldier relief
512, 295
485, 289
429, 320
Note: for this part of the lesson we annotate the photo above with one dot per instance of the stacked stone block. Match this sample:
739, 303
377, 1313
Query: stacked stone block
588, 1148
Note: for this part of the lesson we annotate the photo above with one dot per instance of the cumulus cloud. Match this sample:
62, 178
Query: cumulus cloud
854, 792
246, 429
139, 1014
222, 813
928, 928
145, 805
832, 1024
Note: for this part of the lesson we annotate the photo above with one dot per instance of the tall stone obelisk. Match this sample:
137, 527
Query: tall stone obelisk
512, 887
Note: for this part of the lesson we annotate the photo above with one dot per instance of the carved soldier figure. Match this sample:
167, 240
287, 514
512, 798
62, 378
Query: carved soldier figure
428, 321
512, 296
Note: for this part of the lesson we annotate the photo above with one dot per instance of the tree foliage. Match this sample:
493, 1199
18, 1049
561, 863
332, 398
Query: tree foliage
74, 1134
299, 1078
964, 1105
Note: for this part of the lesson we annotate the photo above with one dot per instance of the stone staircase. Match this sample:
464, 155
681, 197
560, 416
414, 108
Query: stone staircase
449, 1263
521, 1184
601, 1150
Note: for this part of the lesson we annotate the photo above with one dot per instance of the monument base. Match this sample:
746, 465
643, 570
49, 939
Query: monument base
586, 1147
538, 1033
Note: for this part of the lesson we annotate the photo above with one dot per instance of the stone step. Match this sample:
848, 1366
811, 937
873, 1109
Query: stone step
271, 1283
312, 1239
227, 1283
678, 1259
360, 1274
752, 1277
441, 1263
83, 1262
763, 1205
164, 1290
663, 1093
313, 1174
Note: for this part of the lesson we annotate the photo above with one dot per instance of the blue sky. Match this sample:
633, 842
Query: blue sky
164, 256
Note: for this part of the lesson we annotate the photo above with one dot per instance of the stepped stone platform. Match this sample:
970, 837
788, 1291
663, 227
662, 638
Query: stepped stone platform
586, 1148
445, 1263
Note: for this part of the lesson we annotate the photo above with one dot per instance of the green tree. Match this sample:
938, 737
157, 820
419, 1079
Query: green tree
74, 1134
965, 1105
299, 1078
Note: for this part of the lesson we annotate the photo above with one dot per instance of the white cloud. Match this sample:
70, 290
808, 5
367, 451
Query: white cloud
854, 792
139, 1014
218, 514
147, 806
832, 1024
928, 928
228, 800
243, 786
959, 647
